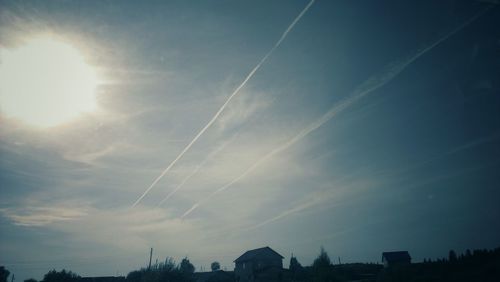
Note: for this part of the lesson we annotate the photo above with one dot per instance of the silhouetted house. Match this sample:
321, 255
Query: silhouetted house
103, 279
263, 264
214, 276
395, 258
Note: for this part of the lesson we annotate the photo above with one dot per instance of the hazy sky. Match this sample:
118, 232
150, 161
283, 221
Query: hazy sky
373, 126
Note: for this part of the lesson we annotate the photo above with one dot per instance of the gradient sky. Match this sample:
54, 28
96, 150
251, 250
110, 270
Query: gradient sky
408, 159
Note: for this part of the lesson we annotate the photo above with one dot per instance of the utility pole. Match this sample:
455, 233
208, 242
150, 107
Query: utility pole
150, 256
339, 261
12, 279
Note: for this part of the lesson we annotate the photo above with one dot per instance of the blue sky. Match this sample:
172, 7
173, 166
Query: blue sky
374, 126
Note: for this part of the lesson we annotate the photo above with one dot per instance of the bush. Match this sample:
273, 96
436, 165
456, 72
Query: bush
62, 276
167, 271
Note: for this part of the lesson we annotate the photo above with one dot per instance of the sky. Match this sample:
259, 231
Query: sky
359, 126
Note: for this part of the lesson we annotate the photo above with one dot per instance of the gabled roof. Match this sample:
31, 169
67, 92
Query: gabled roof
260, 253
396, 256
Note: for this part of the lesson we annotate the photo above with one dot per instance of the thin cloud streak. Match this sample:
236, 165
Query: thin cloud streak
235, 92
286, 213
44, 215
316, 201
452, 151
371, 84
197, 169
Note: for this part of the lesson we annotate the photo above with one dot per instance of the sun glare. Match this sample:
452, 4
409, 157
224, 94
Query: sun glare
45, 83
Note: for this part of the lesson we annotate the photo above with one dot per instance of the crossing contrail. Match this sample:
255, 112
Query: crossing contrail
371, 84
197, 169
235, 92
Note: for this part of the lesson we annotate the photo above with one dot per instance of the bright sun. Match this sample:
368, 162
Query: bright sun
45, 83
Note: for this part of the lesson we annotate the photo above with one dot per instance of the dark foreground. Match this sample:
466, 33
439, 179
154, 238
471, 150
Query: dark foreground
479, 265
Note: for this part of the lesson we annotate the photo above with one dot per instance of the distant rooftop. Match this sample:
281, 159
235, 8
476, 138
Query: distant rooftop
264, 252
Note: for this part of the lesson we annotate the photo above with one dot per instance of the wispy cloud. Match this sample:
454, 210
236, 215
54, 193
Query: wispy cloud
318, 198
197, 169
297, 208
221, 109
371, 84
242, 108
45, 215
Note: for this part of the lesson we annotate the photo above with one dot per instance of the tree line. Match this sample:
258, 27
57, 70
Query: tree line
477, 265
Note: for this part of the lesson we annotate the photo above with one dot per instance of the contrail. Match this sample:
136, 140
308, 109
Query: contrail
455, 150
197, 169
316, 200
322, 198
235, 92
285, 213
371, 84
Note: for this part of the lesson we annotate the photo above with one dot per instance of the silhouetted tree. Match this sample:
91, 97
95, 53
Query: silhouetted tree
297, 271
186, 266
4, 273
322, 268
294, 264
215, 266
167, 271
134, 276
323, 260
62, 276
168, 265
452, 256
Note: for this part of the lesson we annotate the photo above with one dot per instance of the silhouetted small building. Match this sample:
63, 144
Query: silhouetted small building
263, 264
395, 258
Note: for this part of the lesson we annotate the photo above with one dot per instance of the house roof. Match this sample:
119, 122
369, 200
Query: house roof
260, 253
396, 256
